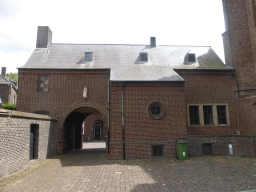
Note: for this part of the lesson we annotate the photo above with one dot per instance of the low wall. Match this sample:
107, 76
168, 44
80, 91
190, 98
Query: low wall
243, 145
15, 140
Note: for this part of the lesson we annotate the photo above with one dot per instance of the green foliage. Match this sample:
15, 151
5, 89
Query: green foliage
12, 76
9, 106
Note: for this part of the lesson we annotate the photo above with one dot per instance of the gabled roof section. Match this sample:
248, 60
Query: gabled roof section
5, 81
124, 60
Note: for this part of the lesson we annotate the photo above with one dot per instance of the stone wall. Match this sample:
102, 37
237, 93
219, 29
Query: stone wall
15, 128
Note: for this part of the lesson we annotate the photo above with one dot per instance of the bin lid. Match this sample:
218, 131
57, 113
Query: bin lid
182, 141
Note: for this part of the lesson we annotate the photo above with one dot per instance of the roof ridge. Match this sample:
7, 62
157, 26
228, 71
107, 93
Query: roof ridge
130, 44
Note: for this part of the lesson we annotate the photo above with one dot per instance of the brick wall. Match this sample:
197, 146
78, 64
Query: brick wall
65, 94
242, 145
204, 87
140, 130
246, 113
88, 127
240, 40
15, 140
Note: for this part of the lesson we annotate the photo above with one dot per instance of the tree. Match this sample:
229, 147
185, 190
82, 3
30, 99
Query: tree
12, 76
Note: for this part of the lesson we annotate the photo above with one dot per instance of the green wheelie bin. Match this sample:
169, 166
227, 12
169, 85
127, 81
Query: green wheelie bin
182, 150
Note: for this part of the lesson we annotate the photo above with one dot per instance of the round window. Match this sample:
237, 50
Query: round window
156, 110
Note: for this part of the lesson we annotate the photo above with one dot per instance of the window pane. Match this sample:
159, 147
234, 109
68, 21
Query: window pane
208, 119
221, 112
194, 115
43, 84
191, 57
158, 151
155, 109
144, 57
88, 56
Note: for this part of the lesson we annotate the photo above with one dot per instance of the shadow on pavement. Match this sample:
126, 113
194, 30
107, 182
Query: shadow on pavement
208, 173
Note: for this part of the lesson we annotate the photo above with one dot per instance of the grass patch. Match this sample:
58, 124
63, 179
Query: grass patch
9, 106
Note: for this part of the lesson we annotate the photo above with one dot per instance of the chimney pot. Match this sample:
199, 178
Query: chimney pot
3, 71
44, 37
152, 41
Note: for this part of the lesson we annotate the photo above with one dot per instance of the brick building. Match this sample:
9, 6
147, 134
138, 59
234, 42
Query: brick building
240, 52
8, 88
140, 98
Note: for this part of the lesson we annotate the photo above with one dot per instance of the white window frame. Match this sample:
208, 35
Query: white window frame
214, 112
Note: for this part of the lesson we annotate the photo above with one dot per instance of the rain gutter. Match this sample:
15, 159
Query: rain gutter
108, 110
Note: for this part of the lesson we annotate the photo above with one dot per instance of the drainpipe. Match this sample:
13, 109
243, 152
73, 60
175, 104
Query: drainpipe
237, 84
108, 109
123, 119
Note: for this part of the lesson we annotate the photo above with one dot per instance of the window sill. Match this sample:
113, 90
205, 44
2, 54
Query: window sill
219, 125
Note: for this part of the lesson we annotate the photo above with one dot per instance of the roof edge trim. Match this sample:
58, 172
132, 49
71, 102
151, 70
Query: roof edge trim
92, 69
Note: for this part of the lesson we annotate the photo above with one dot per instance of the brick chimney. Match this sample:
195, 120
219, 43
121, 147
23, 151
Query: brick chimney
152, 41
3, 71
44, 37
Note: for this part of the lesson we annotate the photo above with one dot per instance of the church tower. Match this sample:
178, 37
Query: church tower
240, 42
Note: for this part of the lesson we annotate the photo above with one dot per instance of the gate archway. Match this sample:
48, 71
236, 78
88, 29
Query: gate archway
73, 127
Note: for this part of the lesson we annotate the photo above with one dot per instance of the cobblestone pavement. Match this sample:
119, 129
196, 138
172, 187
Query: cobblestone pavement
90, 170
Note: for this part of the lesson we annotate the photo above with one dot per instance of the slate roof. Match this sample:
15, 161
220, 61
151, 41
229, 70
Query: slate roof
124, 60
4, 80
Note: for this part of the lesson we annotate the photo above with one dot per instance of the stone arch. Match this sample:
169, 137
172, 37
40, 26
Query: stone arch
75, 106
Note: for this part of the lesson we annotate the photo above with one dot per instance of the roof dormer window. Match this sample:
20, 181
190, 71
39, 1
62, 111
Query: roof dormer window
192, 57
144, 57
88, 56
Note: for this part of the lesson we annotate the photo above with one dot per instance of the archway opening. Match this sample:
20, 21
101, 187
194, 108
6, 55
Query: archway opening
85, 129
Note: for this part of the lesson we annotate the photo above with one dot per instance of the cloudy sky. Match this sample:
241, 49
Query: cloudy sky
172, 22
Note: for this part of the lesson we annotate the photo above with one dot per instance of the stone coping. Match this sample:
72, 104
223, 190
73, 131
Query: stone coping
14, 113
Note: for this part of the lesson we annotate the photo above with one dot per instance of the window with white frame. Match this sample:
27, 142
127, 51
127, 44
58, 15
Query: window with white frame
208, 115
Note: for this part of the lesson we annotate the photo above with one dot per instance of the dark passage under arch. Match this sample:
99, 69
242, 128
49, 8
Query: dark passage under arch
72, 127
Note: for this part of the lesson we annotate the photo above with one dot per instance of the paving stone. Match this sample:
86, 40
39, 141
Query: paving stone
91, 170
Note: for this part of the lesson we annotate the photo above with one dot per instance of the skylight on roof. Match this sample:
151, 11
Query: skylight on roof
192, 57
88, 56
144, 57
